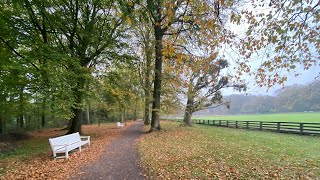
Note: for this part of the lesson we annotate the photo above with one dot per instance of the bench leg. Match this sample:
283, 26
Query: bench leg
67, 155
54, 155
80, 148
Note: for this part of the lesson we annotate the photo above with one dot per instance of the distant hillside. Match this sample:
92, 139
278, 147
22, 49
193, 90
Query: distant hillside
295, 98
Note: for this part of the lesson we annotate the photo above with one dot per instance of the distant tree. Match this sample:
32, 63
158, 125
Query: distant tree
144, 32
202, 79
237, 102
298, 98
259, 104
171, 101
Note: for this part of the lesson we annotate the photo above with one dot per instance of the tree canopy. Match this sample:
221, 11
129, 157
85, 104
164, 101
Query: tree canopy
64, 60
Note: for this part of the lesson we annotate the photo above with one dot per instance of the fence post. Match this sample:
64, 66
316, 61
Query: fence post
227, 123
278, 126
247, 124
208, 122
214, 122
301, 128
261, 125
219, 122
236, 124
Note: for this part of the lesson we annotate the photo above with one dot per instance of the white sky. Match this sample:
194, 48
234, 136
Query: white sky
305, 77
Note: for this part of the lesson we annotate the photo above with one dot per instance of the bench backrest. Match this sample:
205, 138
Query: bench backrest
66, 139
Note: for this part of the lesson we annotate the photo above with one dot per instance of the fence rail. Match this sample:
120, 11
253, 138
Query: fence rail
283, 127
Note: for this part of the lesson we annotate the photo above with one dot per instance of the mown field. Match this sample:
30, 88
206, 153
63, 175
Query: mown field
207, 152
284, 117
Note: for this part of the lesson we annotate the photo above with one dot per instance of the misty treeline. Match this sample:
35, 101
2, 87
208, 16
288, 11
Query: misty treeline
294, 98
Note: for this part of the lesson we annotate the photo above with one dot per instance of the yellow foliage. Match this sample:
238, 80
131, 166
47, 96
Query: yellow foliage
128, 19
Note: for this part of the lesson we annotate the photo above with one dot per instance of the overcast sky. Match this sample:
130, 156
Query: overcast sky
306, 77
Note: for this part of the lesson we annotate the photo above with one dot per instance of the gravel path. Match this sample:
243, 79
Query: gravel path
120, 160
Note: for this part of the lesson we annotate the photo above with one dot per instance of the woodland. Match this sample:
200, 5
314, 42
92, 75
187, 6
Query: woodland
294, 98
65, 63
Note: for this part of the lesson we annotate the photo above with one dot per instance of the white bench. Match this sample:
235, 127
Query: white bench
120, 125
66, 143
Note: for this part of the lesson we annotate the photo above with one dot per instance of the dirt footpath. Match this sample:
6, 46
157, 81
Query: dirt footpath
120, 160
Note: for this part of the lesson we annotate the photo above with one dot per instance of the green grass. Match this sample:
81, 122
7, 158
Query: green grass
206, 152
284, 117
25, 150
28, 149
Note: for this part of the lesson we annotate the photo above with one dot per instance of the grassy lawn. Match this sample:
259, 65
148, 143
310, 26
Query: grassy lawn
27, 149
206, 152
285, 117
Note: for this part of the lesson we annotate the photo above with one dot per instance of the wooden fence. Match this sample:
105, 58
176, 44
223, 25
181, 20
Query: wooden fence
284, 127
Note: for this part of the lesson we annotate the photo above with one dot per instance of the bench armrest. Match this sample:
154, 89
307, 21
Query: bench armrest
85, 137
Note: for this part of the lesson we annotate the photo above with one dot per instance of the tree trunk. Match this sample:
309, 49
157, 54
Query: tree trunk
147, 83
125, 115
146, 111
189, 107
20, 117
135, 111
75, 121
188, 111
2, 123
38, 122
3, 114
155, 121
77, 111
87, 115
43, 120
43, 113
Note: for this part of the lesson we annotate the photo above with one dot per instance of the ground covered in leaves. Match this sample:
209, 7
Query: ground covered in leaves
207, 152
32, 157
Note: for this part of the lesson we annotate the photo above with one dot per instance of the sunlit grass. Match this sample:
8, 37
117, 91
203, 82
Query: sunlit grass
203, 152
284, 117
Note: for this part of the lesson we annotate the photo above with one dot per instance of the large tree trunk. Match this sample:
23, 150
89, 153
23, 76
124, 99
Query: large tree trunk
155, 121
75, 121
188, 111
190, 106
77, 111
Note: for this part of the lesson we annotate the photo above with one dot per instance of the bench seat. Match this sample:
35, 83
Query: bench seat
120, 125
65, 144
